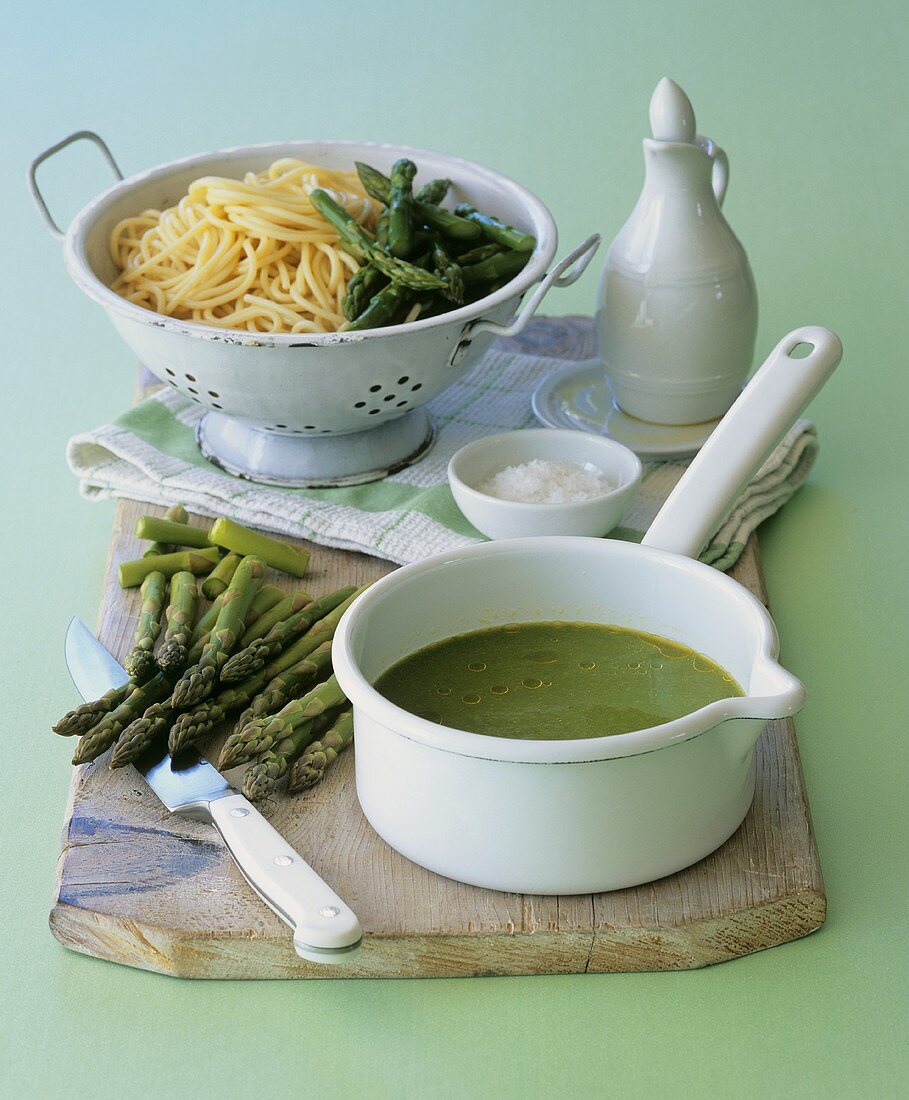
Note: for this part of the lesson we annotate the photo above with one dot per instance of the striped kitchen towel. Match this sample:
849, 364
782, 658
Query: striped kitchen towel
150, 454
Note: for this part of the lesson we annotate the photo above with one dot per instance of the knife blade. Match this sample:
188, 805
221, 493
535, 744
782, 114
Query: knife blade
325, 928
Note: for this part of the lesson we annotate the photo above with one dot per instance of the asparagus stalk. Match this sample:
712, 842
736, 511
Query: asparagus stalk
382, 308
400, 208
265, 599
140, 662
364, 285
436, 217
284, 608
84, 716
496, 231
262, 734
356, 240
433, 192
450, 271
174, 652
177, 513
292, 732
219, 578
280, 555
198, 681
101, 736
481, 252
169, 531
504, 266
258, 653
141, 733
310, 768
133, 573
192, 725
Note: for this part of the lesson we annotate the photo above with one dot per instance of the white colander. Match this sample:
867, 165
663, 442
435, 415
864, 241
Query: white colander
307, 410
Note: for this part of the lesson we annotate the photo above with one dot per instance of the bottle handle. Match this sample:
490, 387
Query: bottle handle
719, 171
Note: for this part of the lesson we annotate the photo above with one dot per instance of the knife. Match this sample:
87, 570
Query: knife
325, 929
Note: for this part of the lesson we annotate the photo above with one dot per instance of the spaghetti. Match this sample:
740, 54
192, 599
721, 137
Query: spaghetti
248, 254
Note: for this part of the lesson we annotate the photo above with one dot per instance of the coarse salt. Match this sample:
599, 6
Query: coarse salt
542, 481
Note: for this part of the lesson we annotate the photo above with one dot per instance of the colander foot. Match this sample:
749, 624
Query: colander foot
314, 461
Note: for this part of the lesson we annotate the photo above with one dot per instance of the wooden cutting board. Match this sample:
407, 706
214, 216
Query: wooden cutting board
138, 886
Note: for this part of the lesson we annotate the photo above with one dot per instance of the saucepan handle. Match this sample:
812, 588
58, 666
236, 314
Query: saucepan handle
567, 271
80, 135
325, 928
744, 438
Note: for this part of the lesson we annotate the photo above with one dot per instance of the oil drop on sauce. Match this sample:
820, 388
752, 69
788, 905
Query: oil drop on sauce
554, 681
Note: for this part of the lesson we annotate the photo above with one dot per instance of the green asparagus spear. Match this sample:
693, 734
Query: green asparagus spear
287, 606
102, 735
358, 242
174, 652
400, 209
504, 266
310, 768
382, 308
177, 513
198, 681
291, 732
133, 573
450, 271
433, 192
262, 734
280, 555
481, 252
219, 578
140, 662
84, 716
436, 217
141, 733
366, 283
273, 693
169, 531
258, 653
266, 598
497, 231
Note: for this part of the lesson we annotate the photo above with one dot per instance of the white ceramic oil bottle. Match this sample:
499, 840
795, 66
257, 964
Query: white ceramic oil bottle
677, 308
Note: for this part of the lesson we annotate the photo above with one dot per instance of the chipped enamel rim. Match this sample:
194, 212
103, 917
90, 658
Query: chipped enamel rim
458, 169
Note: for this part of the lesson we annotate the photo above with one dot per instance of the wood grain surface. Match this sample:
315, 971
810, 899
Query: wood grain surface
138, 886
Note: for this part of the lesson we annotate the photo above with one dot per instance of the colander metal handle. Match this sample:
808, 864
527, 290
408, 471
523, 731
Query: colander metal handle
80, 135
567, 271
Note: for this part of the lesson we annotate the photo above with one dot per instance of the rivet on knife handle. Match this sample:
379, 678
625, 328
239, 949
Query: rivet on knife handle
323, 924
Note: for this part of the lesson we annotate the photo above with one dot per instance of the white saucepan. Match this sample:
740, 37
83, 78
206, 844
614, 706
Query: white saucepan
563, 817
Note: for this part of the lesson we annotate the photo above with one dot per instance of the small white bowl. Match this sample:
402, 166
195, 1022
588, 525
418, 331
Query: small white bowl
509, 519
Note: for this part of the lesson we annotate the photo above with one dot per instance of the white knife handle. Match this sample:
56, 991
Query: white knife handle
286, 883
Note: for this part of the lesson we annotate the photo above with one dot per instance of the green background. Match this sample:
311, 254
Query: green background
809, 100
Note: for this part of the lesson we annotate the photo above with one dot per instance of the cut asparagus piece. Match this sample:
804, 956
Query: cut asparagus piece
310, 768
198, 681
280, 555
436, 217
219, 578
258, 653
497, 231
102, 736
177, 513
198, 562
169, 531
173, 655
365, 284
140, 662
382, 308
504, 266
84, 716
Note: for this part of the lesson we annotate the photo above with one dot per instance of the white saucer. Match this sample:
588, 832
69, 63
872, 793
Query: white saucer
578, 396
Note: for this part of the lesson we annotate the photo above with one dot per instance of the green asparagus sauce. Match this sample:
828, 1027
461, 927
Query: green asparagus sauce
554, 681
